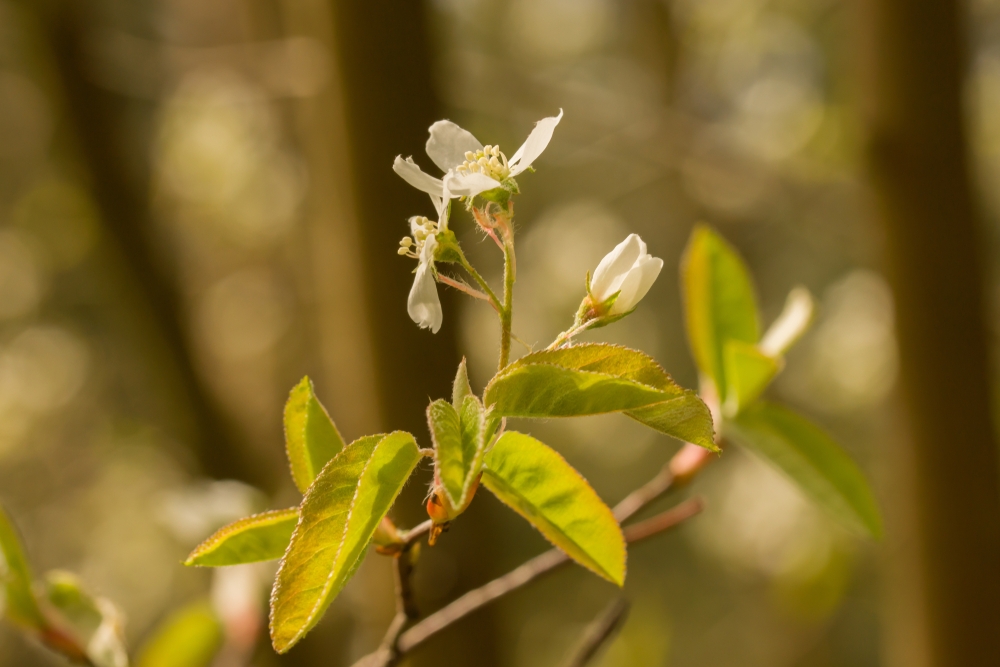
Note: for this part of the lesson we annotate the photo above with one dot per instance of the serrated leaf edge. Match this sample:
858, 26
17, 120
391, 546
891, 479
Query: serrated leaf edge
308, 625
624, 550
219, 536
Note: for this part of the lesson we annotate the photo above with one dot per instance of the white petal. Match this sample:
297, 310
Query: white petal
610, 273
468, 185
535, 144
637, 283
423, 304
414, 175
448, 144
791, 324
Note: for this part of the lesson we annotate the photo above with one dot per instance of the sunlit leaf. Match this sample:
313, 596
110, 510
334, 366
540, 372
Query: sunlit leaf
190, 637
749, 371
20, 605
537, 483
311, 438
95, 623
597, 378
338, 518
813, 461
719, 302
459, 444
259, 537
461, 387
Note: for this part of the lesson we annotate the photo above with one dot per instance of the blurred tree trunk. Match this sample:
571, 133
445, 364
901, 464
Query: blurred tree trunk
98, 121
914, 66
383, 57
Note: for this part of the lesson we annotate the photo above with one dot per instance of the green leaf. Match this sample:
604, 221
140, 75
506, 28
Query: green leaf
459, 444
749, 371
339, 516
597, 378
462, 387
95, 624
311, 438
719, 302
191, 637
812, 460
537, 483
256, 538
21, 605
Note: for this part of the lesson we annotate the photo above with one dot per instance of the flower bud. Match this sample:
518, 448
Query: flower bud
628, 271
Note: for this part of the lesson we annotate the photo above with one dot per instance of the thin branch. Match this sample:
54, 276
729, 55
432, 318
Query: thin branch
645, 494
533, 569
463, 287
600, 632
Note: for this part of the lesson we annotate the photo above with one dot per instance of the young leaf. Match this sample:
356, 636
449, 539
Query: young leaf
21, 607
94, 623
311, 438
191, 637
598, 378
719, 302
459, 443
537, 483
462, 387
812, 460
259, 537
749, 371
338, 518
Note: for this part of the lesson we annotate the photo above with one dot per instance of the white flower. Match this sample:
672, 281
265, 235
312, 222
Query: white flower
627, 269
423, 304
471, 168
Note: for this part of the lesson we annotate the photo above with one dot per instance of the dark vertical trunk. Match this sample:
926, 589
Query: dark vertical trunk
918, 163
384, 55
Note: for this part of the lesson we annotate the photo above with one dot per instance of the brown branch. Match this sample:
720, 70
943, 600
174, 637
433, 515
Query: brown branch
397, 642
600, 632
529, 571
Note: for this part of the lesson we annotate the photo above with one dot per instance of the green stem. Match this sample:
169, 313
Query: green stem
483, 285
506, 312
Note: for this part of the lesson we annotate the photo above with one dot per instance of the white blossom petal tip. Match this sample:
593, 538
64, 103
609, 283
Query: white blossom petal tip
448, 143
423, 304
411, 172
535, 144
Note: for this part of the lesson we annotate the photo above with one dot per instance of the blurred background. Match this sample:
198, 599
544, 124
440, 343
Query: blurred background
197, 208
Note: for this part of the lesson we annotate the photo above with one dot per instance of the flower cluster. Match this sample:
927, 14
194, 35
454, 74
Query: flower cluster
471, 169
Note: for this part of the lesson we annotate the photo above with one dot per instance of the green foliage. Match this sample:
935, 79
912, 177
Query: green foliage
461, 387
598, 378
338, 518
311, 438
256, 538
191, 637
749, 371
719, 303
459, 445
812, 460
537, 483
93, 623
21, 607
